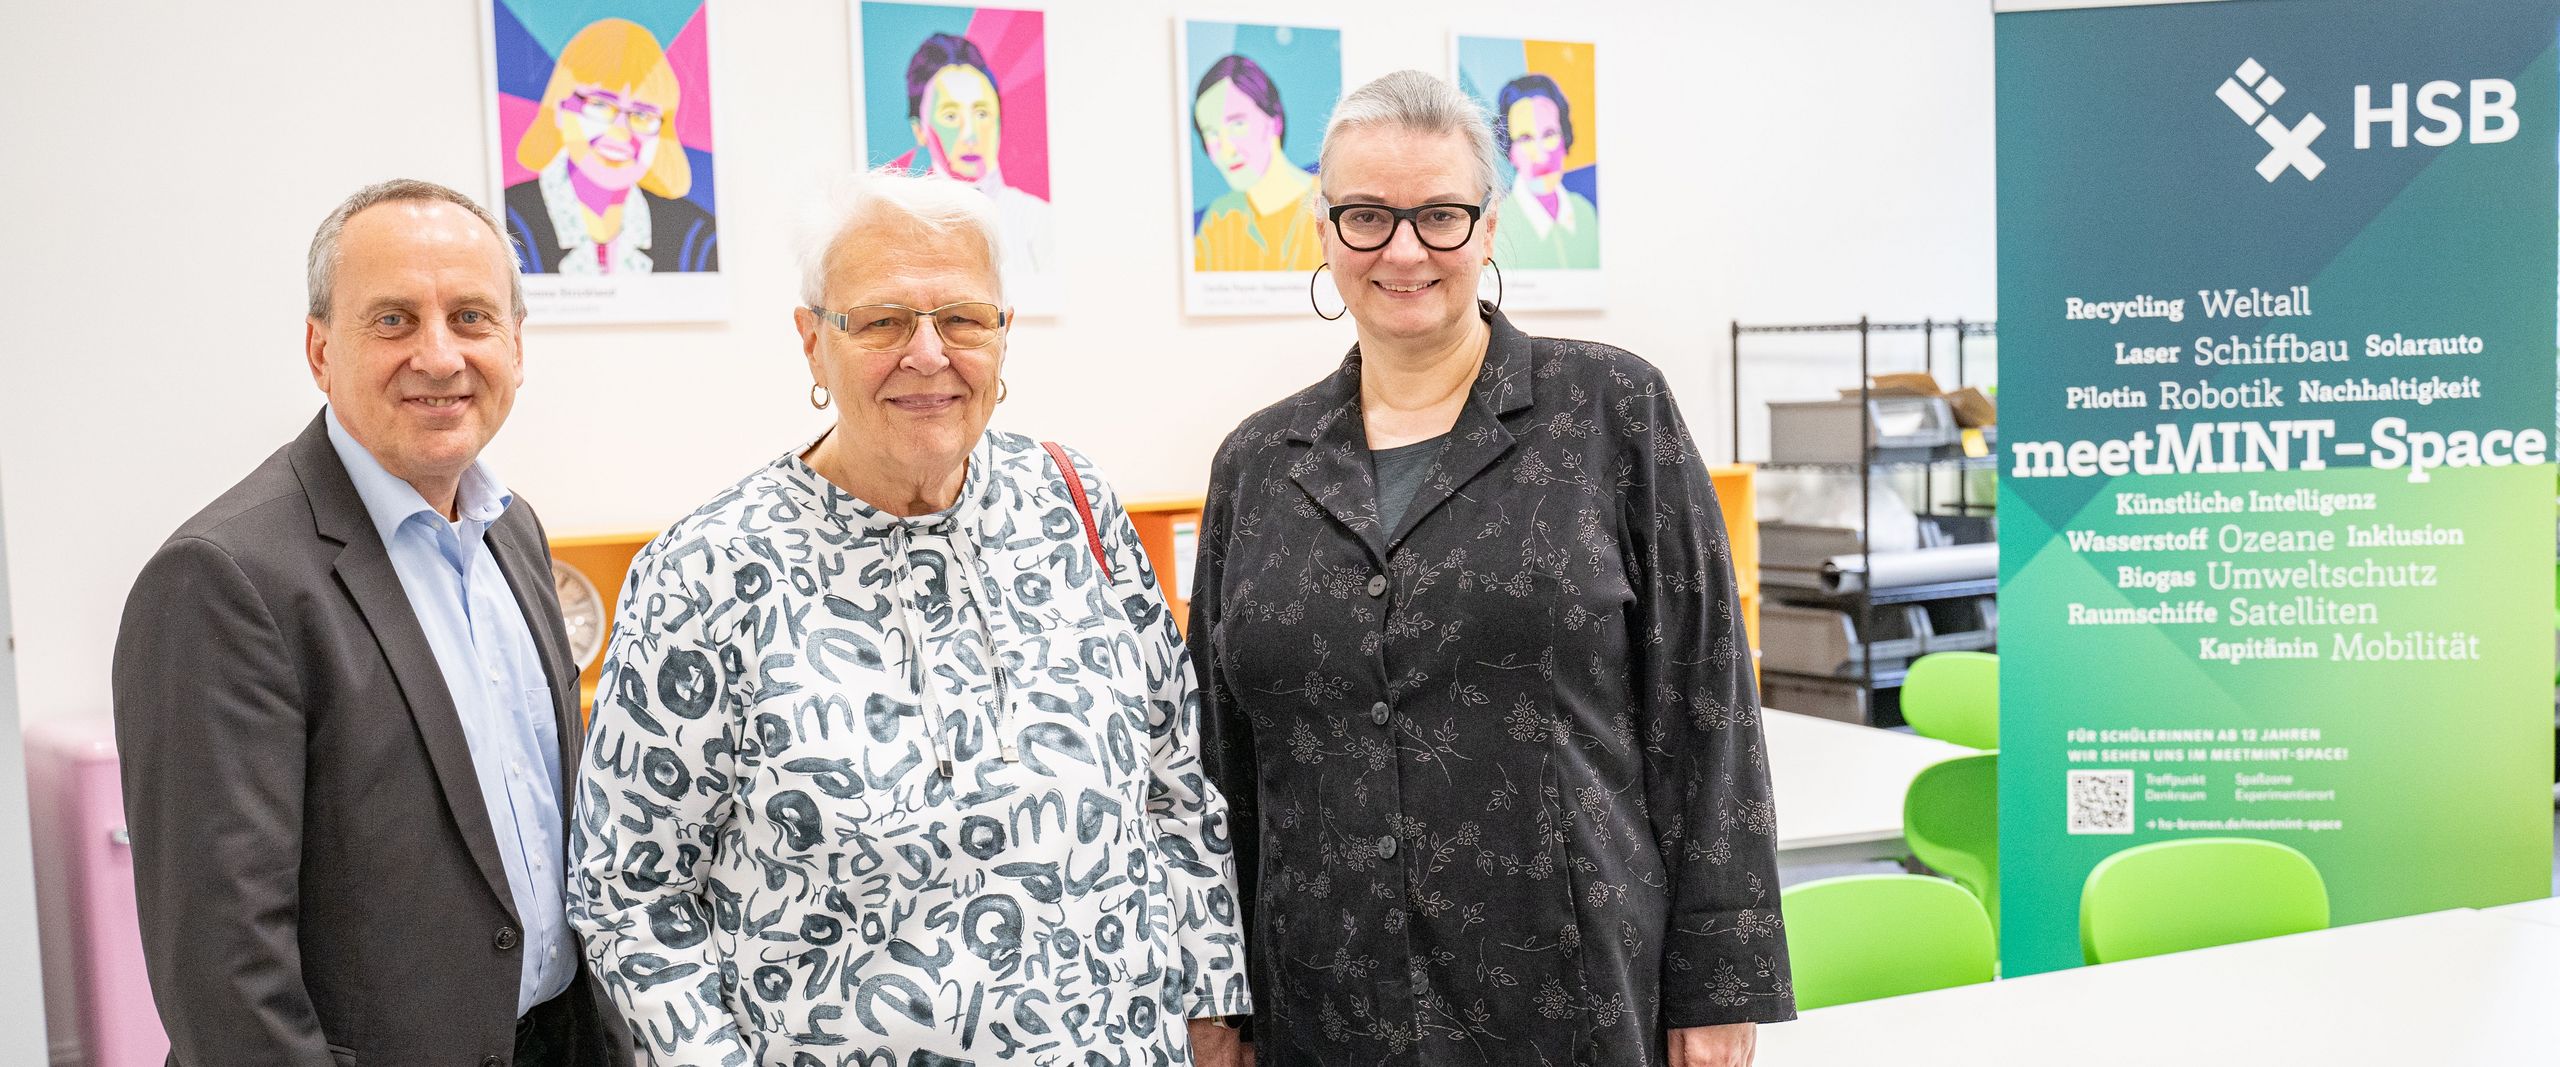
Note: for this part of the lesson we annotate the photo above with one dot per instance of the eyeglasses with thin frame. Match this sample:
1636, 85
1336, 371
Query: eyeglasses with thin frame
645, 121
1443, 227
967, 324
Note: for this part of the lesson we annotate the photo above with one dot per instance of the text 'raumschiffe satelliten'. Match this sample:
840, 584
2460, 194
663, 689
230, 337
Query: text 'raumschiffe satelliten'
2275, 445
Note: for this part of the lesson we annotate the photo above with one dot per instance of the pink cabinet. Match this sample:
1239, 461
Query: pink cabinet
93, 978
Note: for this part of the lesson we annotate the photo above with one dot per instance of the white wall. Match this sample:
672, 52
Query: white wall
1857, 182
1769, 160
22, 1014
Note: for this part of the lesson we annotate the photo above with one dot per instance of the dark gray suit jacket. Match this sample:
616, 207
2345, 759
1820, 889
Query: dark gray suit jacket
318, 879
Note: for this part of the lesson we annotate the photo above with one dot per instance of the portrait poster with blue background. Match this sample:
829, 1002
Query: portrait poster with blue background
2276, 511
1253, 101
963, 92
1542, 98
602, 157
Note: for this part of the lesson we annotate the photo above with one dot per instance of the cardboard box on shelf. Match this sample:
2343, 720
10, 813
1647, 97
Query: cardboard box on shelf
1973, 407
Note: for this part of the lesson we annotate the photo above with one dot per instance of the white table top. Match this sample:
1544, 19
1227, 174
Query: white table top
1842, 784
2545, 911
2457, 988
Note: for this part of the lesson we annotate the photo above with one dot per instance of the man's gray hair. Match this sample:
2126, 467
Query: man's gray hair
942, 206
321, 271
1421, 103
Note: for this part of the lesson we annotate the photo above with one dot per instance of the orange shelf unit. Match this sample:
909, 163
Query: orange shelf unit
1736, 494
605, 559
1169, 529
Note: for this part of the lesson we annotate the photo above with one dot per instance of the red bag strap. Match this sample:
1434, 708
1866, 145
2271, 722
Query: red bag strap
1084, 506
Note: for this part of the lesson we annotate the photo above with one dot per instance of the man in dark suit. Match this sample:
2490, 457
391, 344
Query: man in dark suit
345, 701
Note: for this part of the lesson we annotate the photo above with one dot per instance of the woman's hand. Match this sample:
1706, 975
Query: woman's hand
1214, 1045
1729, 1045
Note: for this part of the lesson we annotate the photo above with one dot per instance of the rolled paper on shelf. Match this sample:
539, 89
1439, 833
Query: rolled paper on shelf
1922, 566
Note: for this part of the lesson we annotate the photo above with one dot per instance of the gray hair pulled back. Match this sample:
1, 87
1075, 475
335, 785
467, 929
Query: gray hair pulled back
1421, 103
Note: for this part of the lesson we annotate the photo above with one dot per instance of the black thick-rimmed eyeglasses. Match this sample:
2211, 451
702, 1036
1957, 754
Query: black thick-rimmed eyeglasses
1442, 227
886, 327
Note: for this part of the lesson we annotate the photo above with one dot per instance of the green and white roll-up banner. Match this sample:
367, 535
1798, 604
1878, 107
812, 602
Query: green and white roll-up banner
2277, 284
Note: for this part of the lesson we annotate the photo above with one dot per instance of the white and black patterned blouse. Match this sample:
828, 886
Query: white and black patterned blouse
1502, 764
771, 864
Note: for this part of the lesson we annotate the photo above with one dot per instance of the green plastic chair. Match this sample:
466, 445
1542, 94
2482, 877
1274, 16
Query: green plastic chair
1951, 820
1954, 697
1883, 935
2172, 896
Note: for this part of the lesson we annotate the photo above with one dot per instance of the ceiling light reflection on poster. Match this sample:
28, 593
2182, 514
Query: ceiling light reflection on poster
602, 164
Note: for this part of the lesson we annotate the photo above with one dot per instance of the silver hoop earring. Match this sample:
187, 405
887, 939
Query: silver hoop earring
1497, 282
1311, 295
820, 396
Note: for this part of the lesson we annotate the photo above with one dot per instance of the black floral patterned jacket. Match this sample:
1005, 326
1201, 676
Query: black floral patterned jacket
1496, 776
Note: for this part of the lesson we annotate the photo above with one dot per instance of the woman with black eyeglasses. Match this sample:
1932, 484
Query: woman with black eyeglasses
1475, 683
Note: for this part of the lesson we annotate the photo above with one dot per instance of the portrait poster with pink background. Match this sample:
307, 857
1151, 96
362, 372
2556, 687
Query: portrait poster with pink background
1251, 106
602, 159
963, 92
1542, 99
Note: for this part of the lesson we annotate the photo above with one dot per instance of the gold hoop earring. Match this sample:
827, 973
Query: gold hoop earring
1001, 390
1311, 295
820, 396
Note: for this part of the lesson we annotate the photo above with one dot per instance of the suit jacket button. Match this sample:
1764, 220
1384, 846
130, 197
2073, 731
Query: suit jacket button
1377, 585
1387, 847
1379, 712
492, 1061
506, 938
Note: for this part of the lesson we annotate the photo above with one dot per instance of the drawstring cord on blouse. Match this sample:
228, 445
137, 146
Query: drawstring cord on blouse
965, 553
918, 674
964, 557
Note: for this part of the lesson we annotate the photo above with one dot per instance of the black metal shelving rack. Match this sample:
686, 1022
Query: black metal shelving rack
1865, 600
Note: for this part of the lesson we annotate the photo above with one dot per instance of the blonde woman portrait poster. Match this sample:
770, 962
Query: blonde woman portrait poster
602, 113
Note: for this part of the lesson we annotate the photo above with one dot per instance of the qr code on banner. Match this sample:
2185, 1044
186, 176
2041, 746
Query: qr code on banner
2101, 802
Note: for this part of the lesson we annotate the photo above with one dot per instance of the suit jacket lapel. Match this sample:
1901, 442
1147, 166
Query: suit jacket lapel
364, 569
1479, 438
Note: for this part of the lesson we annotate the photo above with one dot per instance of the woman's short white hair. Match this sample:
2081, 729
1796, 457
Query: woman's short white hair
941, 205
1421, 103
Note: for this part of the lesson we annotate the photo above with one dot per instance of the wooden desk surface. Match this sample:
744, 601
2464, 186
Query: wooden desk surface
1840, 785
2455, 988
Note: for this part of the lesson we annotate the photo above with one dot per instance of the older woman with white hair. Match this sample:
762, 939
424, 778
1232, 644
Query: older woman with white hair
1474, 676
894, 759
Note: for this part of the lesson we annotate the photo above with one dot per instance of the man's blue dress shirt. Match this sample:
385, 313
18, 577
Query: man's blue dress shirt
486, 652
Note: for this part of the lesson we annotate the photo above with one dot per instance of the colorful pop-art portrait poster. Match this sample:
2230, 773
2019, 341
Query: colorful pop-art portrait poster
603, 157
1254, 103
1546, 125
963, 92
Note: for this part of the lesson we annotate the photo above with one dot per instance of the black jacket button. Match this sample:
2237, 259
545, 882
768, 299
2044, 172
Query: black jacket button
506, 939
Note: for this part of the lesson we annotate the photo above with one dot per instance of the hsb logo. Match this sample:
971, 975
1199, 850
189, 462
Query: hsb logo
2490, 117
